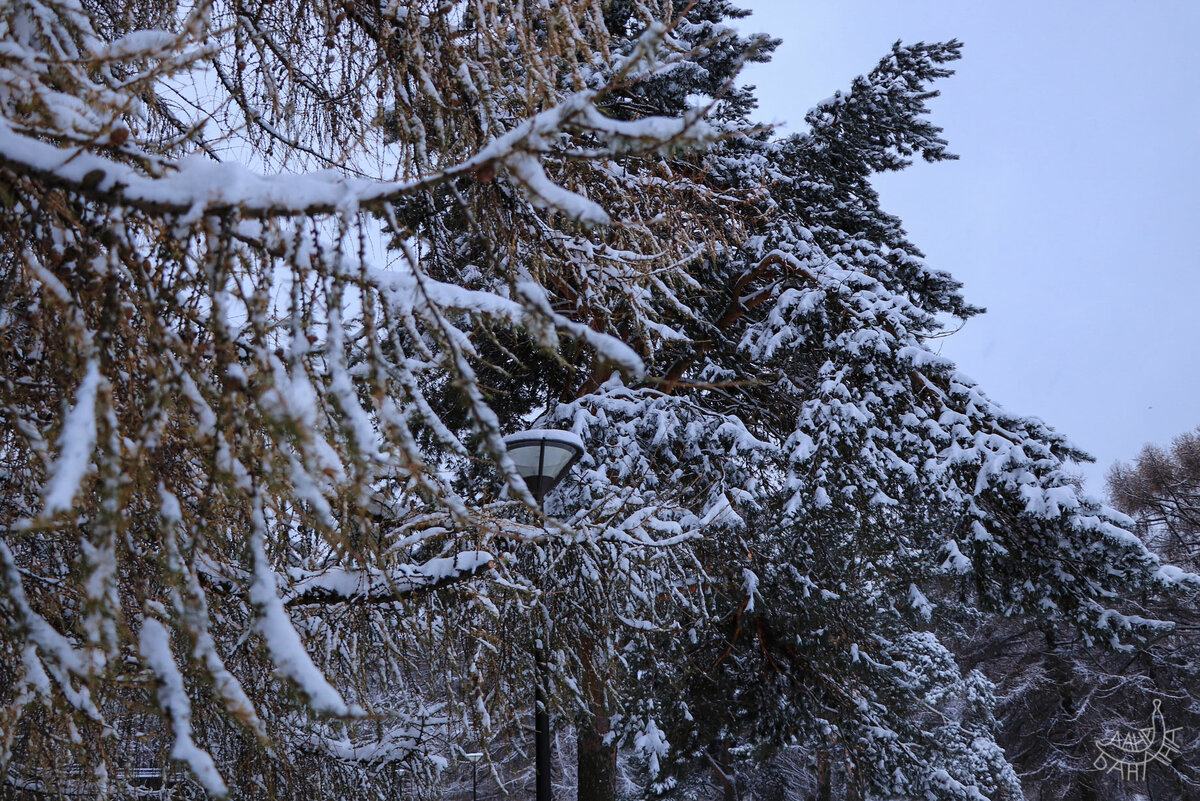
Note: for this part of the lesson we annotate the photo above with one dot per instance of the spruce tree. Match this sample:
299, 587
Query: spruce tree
864, 477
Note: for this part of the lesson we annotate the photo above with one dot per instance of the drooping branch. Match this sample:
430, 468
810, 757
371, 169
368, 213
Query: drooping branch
196, 188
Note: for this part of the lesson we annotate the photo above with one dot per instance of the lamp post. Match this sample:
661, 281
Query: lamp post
474, 760
542, 457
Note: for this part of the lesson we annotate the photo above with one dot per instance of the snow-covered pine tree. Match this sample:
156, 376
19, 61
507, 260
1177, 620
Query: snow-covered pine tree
1057, 697
864, 476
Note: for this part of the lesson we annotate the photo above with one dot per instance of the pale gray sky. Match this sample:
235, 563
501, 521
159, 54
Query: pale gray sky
1072, 214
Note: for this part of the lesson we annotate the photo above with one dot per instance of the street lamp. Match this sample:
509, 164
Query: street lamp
542, 456
474, 758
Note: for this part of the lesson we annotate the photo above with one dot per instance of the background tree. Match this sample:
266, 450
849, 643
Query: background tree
1161, 492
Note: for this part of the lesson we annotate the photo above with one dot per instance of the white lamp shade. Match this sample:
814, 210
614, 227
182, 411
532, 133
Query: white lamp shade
543, 457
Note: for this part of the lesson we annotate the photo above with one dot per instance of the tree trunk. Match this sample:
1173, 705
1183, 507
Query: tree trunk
824, 785
1066, 733
853, 788
597, 762
718, 758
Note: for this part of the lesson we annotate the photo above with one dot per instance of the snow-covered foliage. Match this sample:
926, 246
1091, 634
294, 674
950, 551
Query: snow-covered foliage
887, 495
278, 279
233, 413
1056, 697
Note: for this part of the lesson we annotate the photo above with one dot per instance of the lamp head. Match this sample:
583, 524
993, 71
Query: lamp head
543, 456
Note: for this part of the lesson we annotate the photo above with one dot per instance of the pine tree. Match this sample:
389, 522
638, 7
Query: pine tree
864, 476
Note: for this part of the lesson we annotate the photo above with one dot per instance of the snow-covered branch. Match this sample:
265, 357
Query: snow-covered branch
377, 586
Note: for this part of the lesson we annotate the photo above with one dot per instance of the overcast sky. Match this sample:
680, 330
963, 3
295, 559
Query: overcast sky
1072, 213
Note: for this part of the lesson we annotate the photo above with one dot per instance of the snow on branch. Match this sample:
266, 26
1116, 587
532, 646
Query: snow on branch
76, 442
395, 744
373, 585
54, 651
282, 639
194, 186
154, 644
